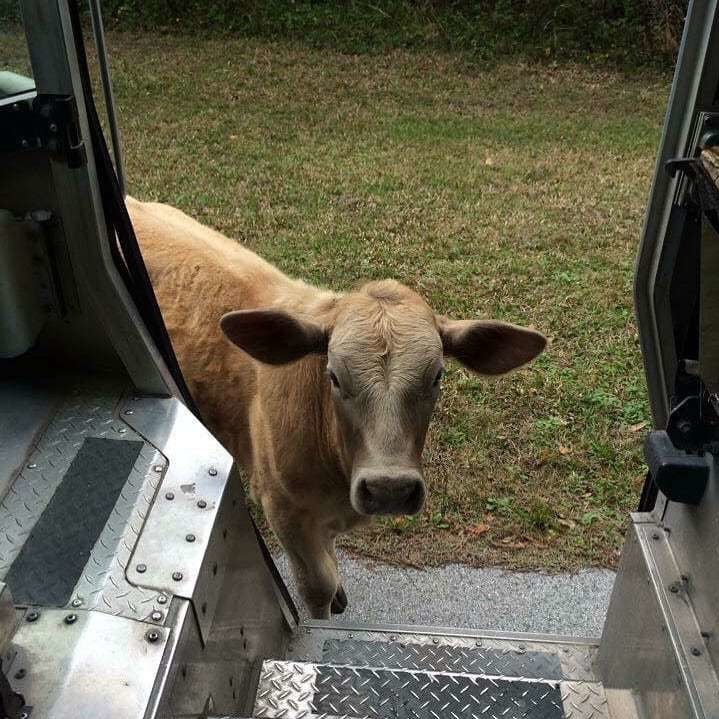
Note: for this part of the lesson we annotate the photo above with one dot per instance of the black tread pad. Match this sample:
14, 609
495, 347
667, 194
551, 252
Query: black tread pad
397, 694
50, 562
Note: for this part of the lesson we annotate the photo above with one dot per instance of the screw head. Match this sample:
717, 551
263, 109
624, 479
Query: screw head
170, 495
77, 602
152, 635
435, 641
20, 673
141, 568
202, 504
156, 616
684, 426
190, 537
32, 616
696, 651
157, 468
70, 618
129, 411
162, 599
674, 589
122, 430
24, 143
52, 127
177, 576
212, 472
656, 536
32, 465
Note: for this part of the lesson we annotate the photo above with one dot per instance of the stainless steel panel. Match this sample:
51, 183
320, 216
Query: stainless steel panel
171, 554
94, 666
688, 643
693, 535
248, 623
652, 645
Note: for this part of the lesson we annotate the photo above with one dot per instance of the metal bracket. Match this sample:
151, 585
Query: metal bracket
682, 477
48, 122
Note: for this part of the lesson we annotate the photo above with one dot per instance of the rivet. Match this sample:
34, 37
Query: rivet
129, 411
685, 426
32, 465
392, 638
32, 616
20, 673
70, 618
177, 576
141, 568
152, 635
156, 616
656, 535
162, 599
696, 651
24, 143
202, 504
157, 468
190, 537
77, 602
122, 430
478, 643
52, 127
674, 589
170, 495
212, 472
435, 641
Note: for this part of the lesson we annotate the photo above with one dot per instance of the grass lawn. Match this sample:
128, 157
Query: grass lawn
514, 192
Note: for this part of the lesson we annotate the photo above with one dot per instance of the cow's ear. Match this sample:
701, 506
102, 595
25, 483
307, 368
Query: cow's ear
272, 336
488, 346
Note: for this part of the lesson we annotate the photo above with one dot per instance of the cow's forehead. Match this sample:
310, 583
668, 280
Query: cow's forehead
385, 320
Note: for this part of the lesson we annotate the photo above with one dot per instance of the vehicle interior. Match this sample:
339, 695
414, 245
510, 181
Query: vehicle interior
134, 581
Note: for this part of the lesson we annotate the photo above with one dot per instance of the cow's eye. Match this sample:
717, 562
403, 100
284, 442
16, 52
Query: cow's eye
438, 378
333, 379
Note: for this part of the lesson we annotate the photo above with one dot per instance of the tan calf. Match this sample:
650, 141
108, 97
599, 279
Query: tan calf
328, 403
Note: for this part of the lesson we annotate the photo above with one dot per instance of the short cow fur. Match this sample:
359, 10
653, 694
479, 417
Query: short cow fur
324, 398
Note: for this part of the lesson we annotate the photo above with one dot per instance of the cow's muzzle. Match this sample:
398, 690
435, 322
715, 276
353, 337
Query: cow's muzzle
376, 491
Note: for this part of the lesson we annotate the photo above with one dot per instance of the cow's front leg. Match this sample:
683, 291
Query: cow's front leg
310, 548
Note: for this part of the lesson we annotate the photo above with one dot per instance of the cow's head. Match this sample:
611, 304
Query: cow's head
384, 350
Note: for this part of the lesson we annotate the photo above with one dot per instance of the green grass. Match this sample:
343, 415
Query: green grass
514, 192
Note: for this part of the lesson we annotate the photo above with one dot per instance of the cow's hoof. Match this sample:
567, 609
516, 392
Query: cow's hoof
339, 601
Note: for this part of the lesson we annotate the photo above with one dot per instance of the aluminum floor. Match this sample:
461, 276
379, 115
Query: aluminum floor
332, 672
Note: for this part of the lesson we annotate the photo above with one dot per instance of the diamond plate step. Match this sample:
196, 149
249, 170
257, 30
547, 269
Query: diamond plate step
302, 690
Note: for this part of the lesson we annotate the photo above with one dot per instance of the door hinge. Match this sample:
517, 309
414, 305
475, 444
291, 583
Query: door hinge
48, 122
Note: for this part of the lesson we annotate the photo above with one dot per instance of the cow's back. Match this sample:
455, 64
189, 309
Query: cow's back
199, 275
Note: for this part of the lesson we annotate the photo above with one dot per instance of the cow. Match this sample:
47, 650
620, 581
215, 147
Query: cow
324, 398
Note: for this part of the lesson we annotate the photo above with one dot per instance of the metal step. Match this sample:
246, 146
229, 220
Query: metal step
365, 674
